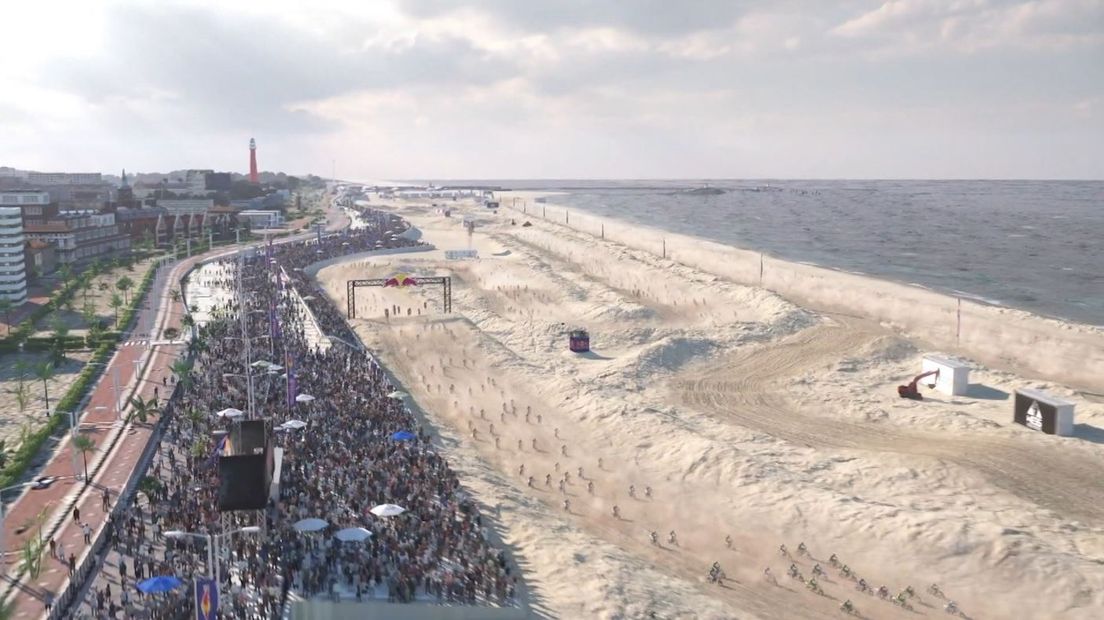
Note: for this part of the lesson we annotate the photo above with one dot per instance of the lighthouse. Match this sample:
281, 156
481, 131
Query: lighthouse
252, 161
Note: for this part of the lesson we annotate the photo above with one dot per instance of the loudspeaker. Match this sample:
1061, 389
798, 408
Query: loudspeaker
244, 481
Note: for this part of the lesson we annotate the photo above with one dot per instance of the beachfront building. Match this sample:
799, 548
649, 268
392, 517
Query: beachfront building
185, 218
262, 219
77, 236
13, 272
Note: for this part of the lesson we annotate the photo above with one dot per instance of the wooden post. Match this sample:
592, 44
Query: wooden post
958, 322
567, 217
664, 248
760, 270
603, 230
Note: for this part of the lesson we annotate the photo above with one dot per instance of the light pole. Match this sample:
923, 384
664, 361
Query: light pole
73, 421
114, 381
249, 389
212, 547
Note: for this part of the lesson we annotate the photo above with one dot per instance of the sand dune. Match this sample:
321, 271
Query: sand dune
745, 415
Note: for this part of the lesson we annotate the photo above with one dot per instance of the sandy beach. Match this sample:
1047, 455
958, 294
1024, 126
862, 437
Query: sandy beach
717, 409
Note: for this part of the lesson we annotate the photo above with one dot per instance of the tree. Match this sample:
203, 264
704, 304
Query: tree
174, 295
116, 303
45, 372
97, 267
6, 307
66, 272
3, 453
124, 284
143, 409
151, 487
88, 314
22, 395
104, 286
61, 332
86, 284
84, 443
182, 370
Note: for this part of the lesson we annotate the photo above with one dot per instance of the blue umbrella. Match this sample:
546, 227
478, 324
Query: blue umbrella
403, 436
157, 585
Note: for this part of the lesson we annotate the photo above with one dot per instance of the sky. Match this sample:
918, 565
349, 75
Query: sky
501, 89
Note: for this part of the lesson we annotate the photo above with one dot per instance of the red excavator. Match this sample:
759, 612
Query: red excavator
910, 391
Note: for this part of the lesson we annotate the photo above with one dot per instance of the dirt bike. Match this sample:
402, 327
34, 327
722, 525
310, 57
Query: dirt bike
814, 587
935, 591
848, 608
900, 601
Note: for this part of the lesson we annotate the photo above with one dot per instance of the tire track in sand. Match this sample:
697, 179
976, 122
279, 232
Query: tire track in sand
749, 390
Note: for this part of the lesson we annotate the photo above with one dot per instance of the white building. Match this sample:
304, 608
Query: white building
13, 270
262, 219
65, 178
28, 199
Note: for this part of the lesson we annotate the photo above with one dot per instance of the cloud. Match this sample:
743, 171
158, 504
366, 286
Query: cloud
906, 26
235, 70
652, 17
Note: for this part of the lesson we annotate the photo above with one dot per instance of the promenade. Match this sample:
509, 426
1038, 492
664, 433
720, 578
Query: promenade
143, 372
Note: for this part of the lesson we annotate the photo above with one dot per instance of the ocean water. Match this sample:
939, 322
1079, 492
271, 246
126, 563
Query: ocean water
1032, 245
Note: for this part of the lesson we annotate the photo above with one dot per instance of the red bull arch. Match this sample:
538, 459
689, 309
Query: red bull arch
398, 280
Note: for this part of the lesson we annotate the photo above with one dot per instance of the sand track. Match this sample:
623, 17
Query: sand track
749, 390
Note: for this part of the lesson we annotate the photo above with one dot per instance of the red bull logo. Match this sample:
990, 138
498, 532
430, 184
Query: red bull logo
401, 280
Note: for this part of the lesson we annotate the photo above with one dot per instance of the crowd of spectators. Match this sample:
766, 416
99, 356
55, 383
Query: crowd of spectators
337, 468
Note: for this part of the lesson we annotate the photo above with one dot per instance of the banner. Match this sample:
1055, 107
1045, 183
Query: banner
206, 599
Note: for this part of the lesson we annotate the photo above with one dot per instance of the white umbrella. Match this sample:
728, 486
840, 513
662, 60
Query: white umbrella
261, 363
293, 424
310, 525
353, 534
274, 368
230, 412
397, 395
304, 398
387, 510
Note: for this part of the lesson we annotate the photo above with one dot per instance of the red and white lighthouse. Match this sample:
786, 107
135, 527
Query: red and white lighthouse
252, 161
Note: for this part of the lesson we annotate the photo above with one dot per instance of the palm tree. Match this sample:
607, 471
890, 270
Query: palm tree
45, 372
6, 307
22, 397
88, 314
195, 416
66, 272
182, 370
124, 284
174, 295
116, 303
104, 286
84, 443
61, 331
143, 409
97, 267
86, 284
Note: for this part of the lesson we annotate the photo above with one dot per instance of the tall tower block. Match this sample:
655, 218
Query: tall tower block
252, 160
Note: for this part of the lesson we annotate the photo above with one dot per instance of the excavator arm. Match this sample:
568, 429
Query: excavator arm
910, 391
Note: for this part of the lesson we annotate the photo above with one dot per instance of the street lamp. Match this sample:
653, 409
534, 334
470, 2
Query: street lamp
114, 381
73, 420
213, 541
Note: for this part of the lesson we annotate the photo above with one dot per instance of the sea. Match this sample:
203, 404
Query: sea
1032, 245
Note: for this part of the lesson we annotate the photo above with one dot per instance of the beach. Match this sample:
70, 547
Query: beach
741, 402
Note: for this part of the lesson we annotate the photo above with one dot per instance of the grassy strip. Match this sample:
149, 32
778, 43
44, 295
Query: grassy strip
21, 459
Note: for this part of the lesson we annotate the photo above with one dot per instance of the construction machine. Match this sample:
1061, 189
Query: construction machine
910, 390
